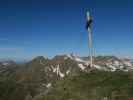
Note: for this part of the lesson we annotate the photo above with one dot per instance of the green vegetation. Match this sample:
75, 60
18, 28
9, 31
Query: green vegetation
28, 82
93, 86
97, 85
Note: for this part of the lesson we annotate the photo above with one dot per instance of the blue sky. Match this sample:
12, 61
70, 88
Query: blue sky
30, 28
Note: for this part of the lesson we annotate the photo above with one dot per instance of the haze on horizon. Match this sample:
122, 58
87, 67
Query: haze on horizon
30, 28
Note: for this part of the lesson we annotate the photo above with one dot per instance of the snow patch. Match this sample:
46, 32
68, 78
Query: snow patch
116, 63
54, 69
127, 63
69, 56
81, 66
57, 71
97, 67
113, 68
121, 67
67, 72
48, 85
78, 59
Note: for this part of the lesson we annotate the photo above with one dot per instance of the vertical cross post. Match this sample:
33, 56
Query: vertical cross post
89, 29
90, 46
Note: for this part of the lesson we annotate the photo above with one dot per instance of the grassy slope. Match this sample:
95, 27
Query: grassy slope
94, 86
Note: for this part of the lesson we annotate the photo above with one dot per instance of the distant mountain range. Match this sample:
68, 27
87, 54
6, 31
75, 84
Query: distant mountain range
63, 63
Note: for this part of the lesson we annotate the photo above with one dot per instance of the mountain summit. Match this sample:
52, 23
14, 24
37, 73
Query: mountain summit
38, 77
